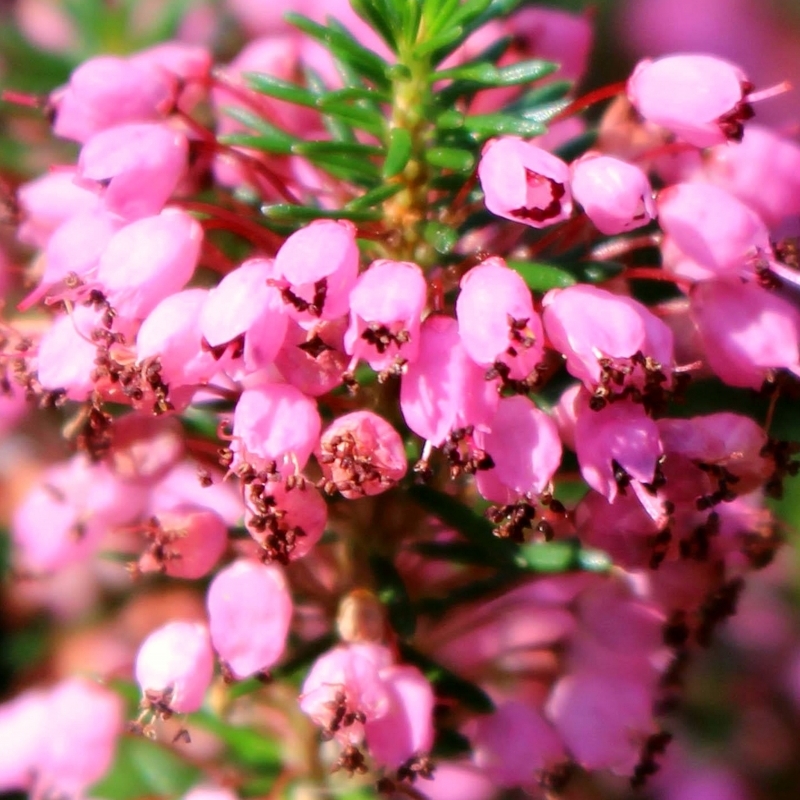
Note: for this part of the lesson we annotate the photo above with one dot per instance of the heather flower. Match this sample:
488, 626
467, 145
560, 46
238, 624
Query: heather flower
701, 98
147, 260
319, 265
496, 320
747, 332
444, 389
249, 612
361, 454
385, 314
23, 721
174, 667
107, 91
524, 183
275, 428
609, 340
524, 449
138, 167
615, 195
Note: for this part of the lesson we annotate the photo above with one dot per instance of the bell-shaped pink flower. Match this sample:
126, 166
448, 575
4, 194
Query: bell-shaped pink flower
515, 745
444, 389
314, 360
406, 728
148, 260
604, 333
496, 319
186, 542
210, 793
50, 200
524, 183
79, 739
717, 232
67, 353
615, 195
175, 665
701, 98
763, 170
23, 722
190, 63
319, 265
243, 304
361, 454
139, 165
106, 91
747, 332
171, 334
286, 522
249, 612
524, 446
275, 427
347, 677
615, 445
385, 314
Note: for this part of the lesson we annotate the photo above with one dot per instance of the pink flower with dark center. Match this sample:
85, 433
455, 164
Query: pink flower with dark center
244, 312
249, 612
136, 166
385, 314
496, 320
174, 667
106, 91
524, 183
747, 332
525, 450
319, 265
718, 233
314, 360
701, 98
610, 341
615, 195
361, 454
275, 428
444, 389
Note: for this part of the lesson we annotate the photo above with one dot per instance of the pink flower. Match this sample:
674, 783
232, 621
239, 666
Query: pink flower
601, 333
243, 305
319, 264
524, 183
148, 260
249, 613
747, 332
524, 446
496, 320
170, 334
701, 98
23, 722
275, 427
444, 389
385, 313
186, 542
361, 454
174, 666
615, 195
139, 165
720, 234
106, 91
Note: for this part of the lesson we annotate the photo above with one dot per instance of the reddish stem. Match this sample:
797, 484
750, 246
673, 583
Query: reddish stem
221, 218
657, 274
589, 99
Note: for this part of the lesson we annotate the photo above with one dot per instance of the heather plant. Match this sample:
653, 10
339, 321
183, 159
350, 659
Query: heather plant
416, 429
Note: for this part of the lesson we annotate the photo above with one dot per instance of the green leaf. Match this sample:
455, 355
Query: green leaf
487, 74
292, 213
561, 556
473, 527
374, 13
342, 45
542, 277
576, 147
454, 552
398, 153
488, 125
283, 90
392, 593
143, 768
348, 149
595, 271
246, 746
441, 238
451, 37
369, 120
452, 158
545, 112
268, 137
375, 196
447, 683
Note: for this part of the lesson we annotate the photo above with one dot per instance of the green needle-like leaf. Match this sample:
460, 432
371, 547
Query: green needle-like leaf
542, 277
452, 158
399, 152
283, 90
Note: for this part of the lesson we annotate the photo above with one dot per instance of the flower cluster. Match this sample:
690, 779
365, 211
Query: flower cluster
408, 387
